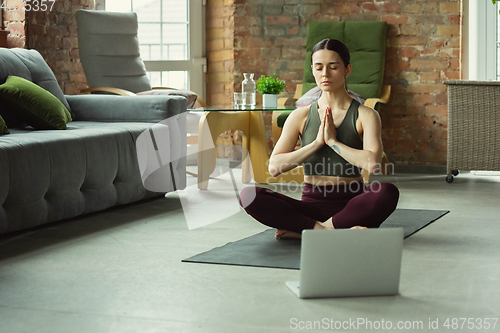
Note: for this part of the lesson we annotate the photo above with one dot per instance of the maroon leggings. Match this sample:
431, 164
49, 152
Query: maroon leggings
350, 205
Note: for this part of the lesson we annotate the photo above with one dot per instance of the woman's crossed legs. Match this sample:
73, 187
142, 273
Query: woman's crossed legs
333, 206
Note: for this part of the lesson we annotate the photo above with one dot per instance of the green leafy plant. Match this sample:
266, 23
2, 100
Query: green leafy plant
270, 85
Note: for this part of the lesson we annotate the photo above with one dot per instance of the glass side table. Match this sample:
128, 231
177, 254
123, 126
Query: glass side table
215, 121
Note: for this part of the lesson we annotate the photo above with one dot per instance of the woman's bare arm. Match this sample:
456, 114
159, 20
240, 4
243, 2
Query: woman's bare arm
370, 156
284, 157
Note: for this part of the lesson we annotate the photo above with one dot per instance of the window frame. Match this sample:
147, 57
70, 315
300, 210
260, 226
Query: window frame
480, 38
196, 66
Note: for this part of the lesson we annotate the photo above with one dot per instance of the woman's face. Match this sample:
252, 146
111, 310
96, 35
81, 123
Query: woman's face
329, 70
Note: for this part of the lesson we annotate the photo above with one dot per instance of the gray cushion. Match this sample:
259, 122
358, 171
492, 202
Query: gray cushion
109, 50
112, 108
30, 65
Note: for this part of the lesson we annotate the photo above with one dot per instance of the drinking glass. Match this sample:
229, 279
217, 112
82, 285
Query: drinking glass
240, 100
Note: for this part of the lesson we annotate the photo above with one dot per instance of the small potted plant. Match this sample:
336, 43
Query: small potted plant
270, 87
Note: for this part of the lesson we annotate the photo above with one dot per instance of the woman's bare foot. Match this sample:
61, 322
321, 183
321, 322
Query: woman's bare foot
285, 234
328, 224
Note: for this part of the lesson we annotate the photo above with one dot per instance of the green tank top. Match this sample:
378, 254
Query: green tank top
325, 161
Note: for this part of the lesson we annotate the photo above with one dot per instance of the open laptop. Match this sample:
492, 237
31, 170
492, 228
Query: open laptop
349, 262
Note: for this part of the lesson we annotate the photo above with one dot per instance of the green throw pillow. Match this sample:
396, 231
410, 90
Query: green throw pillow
3, 127
33, 104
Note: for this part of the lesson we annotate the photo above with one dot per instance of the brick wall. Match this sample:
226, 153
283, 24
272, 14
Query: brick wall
220, 51
423, 49
14, 23
54, 35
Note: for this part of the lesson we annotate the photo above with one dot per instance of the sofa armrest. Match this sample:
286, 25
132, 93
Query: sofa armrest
109, 108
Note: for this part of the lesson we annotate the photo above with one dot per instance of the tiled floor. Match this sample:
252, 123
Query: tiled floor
121, 270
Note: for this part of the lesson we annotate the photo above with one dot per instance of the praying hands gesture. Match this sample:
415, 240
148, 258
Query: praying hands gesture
327, 133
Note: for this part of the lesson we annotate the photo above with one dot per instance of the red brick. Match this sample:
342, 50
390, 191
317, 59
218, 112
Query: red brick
408, 52
229, 65
395, 19
407, 144
411, 30
454, 64
423, 145
427, 88
455, 19
424, 64
74, 54
428, 51
283, 19
247, 53
402, 122
292, 53
410, 110
433, 77
389, 144
391, 52
437, 110
342, 8
394, 134
16, 28
436, 42
257, 42
391, 7
423, 99
443, 147
13, 15
289, 41
421, 133
442, 99
453, 75
397, 65
293, 31
290, 87
15, 41
370, 7
407, 40
428, 122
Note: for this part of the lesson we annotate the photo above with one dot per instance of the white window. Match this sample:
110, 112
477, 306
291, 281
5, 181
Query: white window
498, 40
480, 43
170, 40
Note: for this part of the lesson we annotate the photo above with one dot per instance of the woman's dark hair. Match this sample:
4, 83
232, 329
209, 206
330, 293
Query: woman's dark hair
333, 45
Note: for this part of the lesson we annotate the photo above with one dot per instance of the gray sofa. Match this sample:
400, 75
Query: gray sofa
50, 175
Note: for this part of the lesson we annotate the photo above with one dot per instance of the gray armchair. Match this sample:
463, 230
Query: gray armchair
109, 53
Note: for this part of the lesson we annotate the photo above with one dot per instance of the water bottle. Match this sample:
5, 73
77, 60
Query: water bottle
248, 87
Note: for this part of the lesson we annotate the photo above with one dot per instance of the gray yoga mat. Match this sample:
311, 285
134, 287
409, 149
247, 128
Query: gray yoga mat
263, 250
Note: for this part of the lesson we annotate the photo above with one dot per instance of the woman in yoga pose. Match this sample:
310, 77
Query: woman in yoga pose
339, 137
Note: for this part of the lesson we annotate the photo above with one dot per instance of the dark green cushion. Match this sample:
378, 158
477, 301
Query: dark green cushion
33, 104
366, 43
3, 127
